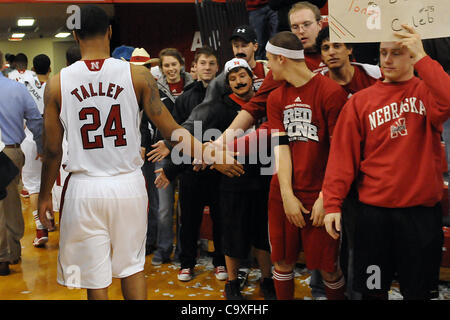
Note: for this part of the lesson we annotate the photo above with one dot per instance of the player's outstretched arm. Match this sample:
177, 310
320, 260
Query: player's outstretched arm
52, 144
148, 97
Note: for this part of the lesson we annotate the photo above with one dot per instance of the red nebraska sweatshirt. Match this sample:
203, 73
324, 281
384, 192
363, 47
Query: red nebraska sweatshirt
388, 138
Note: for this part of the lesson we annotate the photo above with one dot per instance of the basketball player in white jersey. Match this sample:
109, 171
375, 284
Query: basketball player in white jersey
31, 172
97, 101
34, 80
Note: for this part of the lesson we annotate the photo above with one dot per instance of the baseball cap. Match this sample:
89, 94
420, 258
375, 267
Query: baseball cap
123, 52
236, 63
244, 32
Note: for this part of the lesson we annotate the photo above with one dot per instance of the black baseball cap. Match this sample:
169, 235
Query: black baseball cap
244, 32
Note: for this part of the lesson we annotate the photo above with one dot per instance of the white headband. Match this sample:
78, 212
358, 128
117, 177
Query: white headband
291, 54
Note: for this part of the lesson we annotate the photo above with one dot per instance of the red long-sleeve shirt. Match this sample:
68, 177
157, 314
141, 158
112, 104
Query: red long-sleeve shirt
388, 138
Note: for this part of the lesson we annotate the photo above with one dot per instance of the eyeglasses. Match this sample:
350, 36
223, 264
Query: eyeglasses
305, 26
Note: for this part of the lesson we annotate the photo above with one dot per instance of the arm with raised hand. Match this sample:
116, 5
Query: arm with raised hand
148, 97
430, 71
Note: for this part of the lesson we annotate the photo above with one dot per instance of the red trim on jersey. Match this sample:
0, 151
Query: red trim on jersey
63, 194
94, 65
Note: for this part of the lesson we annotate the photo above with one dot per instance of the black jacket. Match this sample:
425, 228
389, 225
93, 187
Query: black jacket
218, 114
191, 97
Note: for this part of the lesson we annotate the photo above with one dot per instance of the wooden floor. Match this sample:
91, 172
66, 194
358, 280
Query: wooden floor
34, 278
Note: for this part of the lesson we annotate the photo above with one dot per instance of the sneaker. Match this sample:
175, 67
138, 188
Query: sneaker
24, 193
267, 289
221, 273
41, 238
4, 268
157, 261
185, 274
243, 277
232, 291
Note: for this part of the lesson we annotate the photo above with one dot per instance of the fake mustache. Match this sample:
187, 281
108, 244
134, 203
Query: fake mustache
240, 85
241, 55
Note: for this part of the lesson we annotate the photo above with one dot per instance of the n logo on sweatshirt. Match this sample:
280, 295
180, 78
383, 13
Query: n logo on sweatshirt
399, 128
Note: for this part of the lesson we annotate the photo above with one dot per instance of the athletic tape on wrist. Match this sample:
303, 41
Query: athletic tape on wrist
291, 54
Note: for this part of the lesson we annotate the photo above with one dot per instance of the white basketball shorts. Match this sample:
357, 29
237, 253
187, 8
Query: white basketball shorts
102, 229
31, 171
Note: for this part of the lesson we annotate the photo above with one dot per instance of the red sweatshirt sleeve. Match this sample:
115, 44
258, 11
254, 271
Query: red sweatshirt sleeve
242, 144
344, 158
257, 105
437, 81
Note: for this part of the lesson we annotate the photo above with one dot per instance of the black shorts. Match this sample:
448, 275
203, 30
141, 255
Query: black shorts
244, 218
405, 242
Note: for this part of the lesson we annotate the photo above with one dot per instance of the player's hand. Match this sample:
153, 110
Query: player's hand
411, 40
227, 164
318, 213
159, 152
45, 205
161, 180
294, 209
143, 153
223, 160
333, 224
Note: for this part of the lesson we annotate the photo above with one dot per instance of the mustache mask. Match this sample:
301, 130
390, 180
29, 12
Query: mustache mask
240, 85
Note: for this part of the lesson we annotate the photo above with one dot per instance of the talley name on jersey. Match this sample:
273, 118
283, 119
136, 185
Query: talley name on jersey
112, 90
394, 111
297, 120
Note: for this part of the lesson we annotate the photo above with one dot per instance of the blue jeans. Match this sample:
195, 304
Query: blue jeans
316, 285
265, 23
148, 169
165, 221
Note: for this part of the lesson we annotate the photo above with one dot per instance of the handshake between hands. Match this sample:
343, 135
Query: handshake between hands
216, 155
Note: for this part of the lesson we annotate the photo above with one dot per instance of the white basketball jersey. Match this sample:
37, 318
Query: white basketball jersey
100, 115
34, 86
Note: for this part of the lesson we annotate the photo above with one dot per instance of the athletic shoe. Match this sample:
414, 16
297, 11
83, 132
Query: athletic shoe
243, 277
221, 273
24, 193
186, 274
267, 289
157, 261
41, 238
4, 268
232, 291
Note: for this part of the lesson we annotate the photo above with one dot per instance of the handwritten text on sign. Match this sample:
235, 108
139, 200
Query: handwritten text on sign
376, 20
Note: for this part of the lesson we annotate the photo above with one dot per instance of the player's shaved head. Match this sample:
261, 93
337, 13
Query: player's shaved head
93, 22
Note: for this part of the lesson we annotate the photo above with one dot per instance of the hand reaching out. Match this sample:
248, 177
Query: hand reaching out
161, 180
160, 152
